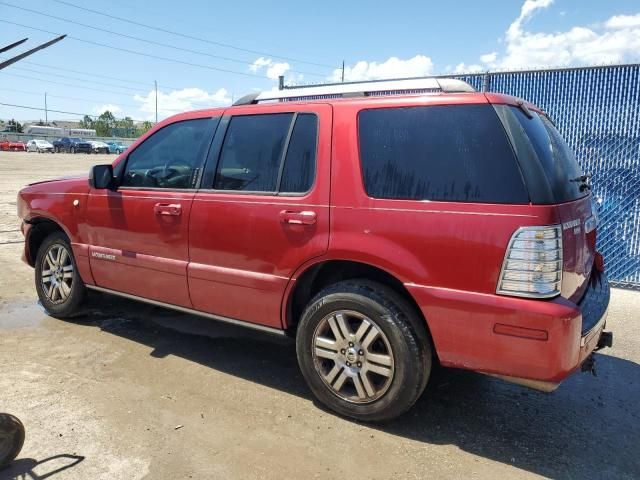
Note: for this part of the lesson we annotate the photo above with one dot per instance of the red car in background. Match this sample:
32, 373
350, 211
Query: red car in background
7, 145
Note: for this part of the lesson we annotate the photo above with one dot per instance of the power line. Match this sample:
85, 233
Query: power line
152, 42
88, 100
157, 57
76, 78
56, 111
184, 35
126, 80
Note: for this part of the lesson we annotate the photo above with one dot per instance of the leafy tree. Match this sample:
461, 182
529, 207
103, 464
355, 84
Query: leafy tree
14, 126
145, 127
104, 124
86, 122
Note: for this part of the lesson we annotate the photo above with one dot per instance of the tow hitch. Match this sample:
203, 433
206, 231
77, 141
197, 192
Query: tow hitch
606, 340
589, 365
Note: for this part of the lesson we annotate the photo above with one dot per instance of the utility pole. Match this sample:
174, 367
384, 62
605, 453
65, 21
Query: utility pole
46, 118
156, 84
342, 71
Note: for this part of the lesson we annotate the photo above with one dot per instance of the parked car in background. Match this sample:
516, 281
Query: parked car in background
72, 145
99, 147
9, 146
39, 146
386, 234
116, 147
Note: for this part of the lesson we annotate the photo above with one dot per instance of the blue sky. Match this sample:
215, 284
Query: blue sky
305, 41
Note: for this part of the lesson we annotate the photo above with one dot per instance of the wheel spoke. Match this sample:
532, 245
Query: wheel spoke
366, 384
65, 290
47, 279
344, 326
51, 259
68, 268
371, 336
333, 324
380, 359
64, 255
340, 381
46, 273
362, 330
380, 370
67, 275
330, 377
54, 292
59, 256
328, 354
357, 382
327, 344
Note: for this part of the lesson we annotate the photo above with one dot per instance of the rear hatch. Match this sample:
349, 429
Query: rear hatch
554, 178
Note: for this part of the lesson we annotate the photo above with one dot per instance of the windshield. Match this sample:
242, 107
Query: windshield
75, 139
555, 156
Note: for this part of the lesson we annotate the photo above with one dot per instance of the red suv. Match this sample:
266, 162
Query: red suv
387, 226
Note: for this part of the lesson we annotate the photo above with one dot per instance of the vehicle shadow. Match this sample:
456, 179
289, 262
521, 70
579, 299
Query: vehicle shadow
588, 428
25, 468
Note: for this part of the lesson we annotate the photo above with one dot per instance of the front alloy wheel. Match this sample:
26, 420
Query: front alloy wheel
353, 356
60, 288
57, 273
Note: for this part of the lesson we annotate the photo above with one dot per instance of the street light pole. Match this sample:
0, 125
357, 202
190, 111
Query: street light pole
46, 117
156, 84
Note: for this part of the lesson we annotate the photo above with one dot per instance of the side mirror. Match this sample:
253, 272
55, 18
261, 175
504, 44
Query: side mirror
101, 176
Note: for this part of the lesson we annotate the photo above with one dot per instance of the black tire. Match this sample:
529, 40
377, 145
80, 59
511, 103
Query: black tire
56, 150
58, 307
72, 150
406, 336
11, 438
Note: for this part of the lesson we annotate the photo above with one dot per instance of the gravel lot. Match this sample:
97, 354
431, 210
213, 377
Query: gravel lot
130, 391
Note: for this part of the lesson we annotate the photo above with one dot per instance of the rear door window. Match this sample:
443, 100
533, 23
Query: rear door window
555, 156
447, 153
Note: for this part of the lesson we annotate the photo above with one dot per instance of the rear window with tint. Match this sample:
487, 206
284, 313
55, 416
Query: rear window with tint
555, 156
447, 153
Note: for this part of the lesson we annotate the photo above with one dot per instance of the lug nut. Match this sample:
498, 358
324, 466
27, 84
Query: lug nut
360, 352
359, 364
351, 344
348, 364
343, 351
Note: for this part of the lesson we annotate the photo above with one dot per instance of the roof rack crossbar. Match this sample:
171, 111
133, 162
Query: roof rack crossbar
409, 86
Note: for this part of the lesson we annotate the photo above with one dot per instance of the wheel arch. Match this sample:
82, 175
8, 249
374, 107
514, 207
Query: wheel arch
315, 277
41, 228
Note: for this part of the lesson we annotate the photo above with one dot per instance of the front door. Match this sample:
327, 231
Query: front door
263, 210
138, 235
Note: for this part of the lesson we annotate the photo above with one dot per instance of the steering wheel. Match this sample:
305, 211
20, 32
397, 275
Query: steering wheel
166, 173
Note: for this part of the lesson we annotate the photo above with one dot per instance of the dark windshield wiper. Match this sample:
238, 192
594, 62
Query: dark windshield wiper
584, 181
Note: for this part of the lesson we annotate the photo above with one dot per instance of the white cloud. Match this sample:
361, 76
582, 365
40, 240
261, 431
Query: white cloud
489, 57
394, 67
115, 109
623, 21
462, 68
178, 101
616, 40
272, 69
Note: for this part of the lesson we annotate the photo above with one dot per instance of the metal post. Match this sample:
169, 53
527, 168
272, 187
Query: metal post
486, 84
46, 118
342, 71
280, 82
156, 84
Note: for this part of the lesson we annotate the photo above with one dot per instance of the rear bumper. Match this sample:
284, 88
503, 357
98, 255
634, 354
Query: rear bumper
525, 340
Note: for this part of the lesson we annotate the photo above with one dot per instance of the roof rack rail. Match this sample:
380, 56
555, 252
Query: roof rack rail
408, 86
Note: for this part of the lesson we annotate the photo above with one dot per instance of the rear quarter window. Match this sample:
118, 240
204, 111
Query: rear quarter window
454, 153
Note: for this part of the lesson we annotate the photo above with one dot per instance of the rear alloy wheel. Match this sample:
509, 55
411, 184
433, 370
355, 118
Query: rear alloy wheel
59, 286
11, 438
363, 350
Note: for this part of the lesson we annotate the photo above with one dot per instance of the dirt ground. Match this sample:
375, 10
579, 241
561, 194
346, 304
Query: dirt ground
130, 392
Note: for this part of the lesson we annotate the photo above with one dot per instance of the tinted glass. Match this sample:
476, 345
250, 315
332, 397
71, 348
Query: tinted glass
299, 166
170, 158
252, 152
557, 160
449, 153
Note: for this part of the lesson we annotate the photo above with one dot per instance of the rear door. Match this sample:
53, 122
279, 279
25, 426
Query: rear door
263, 209
138, 235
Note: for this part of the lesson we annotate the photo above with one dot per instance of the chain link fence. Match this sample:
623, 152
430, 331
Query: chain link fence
597, 110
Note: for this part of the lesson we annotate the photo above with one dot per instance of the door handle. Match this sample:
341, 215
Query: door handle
298, 218
174, 209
